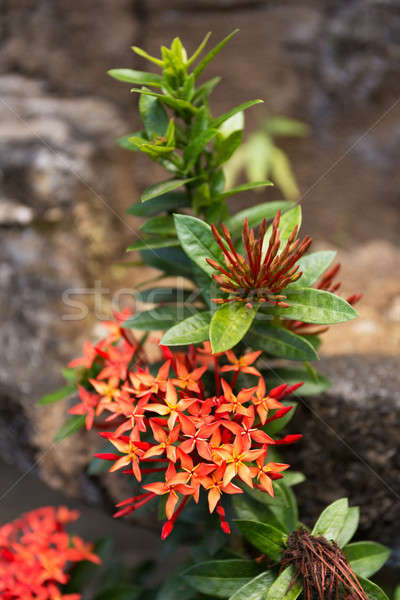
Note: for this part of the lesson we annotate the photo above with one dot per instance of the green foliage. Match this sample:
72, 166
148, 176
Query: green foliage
221, 578
366, 558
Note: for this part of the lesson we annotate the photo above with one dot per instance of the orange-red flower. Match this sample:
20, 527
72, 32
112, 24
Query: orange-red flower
36, 552
198, 433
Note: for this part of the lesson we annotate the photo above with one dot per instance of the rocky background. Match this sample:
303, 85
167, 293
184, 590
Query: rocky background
64, 187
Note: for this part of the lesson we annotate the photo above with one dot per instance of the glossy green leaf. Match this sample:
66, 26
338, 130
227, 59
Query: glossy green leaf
373, 591
162, 188
366, 558
331, 520
315, 306
58, 395
280, 342
349, 526
160, 225
264, 537
156, 242
244, 188
256, 588
136, 77
225, 147
209, 57
194, 149
159, 318
147, 56
165, 295
229, 325
249, 509
192, 330
313, 266
221, 119
163, 203
292, 375
176, 104
203, 91
175, 587
282, 588
282, 504
255, 214
221, 578
74, 424
289, 220
173, 261
197, 241
154, 117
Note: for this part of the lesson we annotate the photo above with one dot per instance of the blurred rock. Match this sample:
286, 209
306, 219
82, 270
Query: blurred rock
351, 443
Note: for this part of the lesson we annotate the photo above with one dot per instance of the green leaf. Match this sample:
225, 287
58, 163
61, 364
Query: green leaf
280, 342
193, 150
285, 126
221, 578
203, 91
331, 520
162, 188
315, 306
225, 147
153, 115
282, 174
147, 56
313, 266
282, 588
254, 589
248, 509
209, 57
161, 225
197, 241
192, 330
172, 261
264, 537
126, 141
165, 202
366, 558
165, 295
349, 526
74, 424
159, 318
255, 214
175, 587
244, 188
229, 325
137, 77
288, 222
397, 593
292, 478
58, 395
148, 243
221, 119
176, 104
373, 591
291, 375
282, 505
198, 50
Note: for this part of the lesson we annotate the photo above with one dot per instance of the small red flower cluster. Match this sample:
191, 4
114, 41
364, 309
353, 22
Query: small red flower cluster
35, 552
169, 422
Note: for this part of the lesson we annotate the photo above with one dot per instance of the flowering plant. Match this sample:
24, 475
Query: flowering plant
204, 418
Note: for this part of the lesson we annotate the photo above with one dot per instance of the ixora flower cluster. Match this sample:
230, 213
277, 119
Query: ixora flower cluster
169, 423
35, 553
